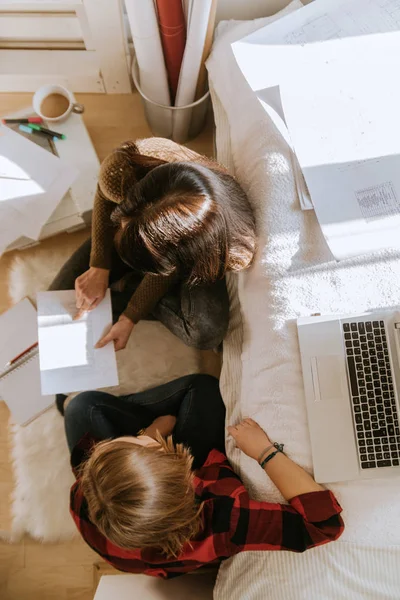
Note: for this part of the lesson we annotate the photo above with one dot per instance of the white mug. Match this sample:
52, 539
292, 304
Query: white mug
48, 90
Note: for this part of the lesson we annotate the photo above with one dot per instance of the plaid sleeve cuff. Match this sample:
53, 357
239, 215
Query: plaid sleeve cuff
316, 507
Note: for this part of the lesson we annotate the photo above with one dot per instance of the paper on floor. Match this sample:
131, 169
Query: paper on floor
69, 362
20, 387
32, 183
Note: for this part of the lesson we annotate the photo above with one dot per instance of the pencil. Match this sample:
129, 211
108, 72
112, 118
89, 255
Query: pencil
21, 354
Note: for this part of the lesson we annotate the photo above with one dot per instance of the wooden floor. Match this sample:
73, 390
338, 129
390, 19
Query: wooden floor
70, 570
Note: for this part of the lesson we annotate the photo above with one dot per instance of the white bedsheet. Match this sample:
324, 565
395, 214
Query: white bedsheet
294, 274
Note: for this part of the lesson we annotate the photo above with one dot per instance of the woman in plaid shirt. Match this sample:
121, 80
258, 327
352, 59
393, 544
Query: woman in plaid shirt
160, 497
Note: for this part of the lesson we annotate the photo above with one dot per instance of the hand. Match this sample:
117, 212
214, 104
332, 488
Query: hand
250, 438
165, 425
119, 334
90, 289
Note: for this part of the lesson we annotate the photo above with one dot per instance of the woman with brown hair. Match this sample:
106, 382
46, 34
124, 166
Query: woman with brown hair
167, 226
155, 493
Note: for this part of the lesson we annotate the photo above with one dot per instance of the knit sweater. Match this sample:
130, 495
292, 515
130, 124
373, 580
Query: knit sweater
117, 173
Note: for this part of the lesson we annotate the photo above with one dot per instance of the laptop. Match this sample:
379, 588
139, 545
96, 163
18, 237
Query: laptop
351, 372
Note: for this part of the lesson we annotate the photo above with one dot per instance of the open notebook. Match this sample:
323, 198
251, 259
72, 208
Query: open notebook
20, 384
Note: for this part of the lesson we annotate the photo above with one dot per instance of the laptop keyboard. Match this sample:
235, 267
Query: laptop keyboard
375, 415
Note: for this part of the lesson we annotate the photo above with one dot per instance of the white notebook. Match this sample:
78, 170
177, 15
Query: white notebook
69, 361
20, 386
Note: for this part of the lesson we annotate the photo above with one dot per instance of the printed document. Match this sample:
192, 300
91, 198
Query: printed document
335, 64
342, 131
69, 361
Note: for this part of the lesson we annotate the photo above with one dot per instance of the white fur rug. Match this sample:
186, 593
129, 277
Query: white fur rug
39, 451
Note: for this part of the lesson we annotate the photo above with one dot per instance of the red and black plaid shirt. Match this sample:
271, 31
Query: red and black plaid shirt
232, 522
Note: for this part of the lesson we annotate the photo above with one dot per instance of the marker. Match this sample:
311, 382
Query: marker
55, 134
28, 120
26, 129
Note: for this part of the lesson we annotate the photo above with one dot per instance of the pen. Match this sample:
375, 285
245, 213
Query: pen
21, 354
26, 129
28, 120
60, 136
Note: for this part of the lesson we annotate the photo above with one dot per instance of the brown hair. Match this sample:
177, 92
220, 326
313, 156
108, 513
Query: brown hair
184, 218
141, 497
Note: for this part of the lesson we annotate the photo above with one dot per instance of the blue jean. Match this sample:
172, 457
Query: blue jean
195, 400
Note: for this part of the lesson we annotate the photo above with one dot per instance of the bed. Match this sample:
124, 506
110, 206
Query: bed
293, 275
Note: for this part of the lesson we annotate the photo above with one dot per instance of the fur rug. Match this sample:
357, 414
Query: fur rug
39, 451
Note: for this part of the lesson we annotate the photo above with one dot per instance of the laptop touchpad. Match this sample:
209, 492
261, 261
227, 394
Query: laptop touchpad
330, 373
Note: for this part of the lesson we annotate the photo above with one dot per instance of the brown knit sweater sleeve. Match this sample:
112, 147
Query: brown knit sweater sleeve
102, 231
151, 289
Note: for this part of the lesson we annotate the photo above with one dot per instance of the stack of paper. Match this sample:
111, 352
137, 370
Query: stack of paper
333, 65
32, 183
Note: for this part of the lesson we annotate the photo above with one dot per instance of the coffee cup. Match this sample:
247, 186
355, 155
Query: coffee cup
54, 103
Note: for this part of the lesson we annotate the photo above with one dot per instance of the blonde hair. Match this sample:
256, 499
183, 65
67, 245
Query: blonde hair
141, 497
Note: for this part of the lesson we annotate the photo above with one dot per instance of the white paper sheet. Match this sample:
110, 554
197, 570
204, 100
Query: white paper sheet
64, 346
271, 102
343, 135
69, 362
334, 64
22, 394
32, 183
20, 388
15, 182
18, 331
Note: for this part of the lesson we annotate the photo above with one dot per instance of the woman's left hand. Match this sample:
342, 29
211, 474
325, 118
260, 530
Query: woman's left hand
119, 334
249, 437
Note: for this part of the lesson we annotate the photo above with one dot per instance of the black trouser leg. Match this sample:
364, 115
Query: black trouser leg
195, 400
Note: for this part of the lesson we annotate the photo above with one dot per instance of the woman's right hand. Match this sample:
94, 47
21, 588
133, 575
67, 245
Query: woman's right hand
250, 438
90, 289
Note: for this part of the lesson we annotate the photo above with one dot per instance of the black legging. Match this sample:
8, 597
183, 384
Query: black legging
195, 400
